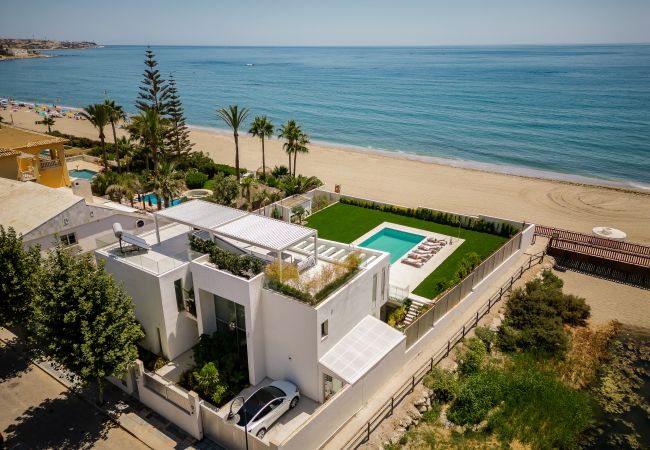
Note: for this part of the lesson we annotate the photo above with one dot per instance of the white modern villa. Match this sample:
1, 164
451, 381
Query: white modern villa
312, 344
297, 307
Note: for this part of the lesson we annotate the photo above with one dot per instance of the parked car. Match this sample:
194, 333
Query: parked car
262, 409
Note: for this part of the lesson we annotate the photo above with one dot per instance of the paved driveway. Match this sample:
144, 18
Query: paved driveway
37, 412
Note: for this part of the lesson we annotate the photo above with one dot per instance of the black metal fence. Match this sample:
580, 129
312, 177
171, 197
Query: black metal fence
363, 435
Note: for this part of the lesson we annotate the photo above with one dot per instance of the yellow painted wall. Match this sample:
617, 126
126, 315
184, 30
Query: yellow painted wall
54, 177
9, 168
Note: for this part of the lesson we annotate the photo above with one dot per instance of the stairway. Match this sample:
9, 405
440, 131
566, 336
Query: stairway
416, 303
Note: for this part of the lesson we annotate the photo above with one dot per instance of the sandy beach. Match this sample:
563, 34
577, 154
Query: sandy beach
400, 180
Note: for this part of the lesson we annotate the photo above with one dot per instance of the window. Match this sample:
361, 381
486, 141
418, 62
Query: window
324, 329
178, 287
374, 289
69, 239
139, 223
383, 284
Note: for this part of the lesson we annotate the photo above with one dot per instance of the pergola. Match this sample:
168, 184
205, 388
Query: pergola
273, 235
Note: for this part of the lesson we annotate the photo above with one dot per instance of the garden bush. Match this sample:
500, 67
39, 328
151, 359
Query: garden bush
488, 336
195, 179
480, 393
471, 358
443, 383
535, 317
244, 266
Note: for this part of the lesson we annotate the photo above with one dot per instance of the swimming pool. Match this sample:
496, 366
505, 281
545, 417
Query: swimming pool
151, 199
395, 242
84, 173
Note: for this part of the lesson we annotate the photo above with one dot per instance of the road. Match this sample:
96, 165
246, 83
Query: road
37, 412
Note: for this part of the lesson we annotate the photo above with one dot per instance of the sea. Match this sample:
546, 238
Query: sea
577, 112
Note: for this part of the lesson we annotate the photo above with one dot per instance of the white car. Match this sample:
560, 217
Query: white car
261, 410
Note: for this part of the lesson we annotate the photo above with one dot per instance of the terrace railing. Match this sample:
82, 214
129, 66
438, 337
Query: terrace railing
450, 298
386, 410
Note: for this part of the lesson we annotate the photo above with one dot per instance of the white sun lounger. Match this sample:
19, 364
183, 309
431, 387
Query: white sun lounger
412, 262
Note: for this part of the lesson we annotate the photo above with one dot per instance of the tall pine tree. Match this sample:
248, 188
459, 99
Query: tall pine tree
154, 91
177, 139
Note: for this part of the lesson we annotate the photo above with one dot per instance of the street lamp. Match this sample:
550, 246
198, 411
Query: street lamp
238, 404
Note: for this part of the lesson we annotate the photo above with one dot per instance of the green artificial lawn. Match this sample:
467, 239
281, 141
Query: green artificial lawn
345, 223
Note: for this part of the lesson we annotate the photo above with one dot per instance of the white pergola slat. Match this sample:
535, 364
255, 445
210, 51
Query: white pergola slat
265, 232
359, 350
201, 214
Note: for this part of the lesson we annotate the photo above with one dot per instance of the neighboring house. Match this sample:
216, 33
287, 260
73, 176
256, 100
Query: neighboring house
30, 156
315, 346
47, 216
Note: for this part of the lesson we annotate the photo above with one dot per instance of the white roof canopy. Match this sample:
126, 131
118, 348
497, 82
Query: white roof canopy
359, 350
269, 233
262, 231
201, 214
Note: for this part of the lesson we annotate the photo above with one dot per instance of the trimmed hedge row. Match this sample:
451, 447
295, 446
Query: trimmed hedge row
505, 229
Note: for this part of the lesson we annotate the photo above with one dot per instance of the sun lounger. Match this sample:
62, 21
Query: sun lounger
412, 262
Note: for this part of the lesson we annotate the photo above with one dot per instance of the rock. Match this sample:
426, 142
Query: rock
423, 408
406, 422
421, 401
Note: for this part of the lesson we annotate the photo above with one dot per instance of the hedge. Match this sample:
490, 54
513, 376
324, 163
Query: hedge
505, 229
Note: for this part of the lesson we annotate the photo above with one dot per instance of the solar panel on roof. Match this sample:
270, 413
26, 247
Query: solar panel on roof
135, 240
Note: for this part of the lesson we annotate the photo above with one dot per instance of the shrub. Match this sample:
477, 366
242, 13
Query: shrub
489, 337
103, 180
535, 317
280, 171
208, 383
471, 358
288, 272
195, 179
244, 266
443, 383
225, 189
480, 393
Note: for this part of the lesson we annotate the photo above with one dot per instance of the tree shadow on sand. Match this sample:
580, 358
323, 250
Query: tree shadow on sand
64, 422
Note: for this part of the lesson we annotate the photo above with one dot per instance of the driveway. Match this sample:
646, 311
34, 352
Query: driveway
37, 412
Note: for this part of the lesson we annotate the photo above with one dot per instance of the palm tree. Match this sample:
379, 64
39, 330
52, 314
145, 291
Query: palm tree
149, 127
262, 128
300, 147
116, 114
127, 150
127, 185
168, 183
291, 132
234, 118
99, 115
49, 121
246, 186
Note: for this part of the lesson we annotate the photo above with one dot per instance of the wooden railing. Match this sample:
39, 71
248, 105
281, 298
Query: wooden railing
573, 236
601, 252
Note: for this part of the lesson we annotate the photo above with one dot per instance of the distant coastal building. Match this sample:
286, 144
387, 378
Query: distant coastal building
30, 156
47, 216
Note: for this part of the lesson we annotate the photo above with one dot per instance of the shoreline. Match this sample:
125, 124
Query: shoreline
635, 187
392, 178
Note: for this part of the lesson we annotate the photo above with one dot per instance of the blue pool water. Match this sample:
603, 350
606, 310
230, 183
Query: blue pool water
151, 199
395, 242
84, 173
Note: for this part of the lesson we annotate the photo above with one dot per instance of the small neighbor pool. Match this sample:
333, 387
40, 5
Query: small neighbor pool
151, 200
84, 173
395, 242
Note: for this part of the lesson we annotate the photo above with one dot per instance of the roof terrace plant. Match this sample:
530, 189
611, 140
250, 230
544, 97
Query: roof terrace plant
244, 266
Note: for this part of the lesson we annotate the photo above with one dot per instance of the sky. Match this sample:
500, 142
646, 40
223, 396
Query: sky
329, 22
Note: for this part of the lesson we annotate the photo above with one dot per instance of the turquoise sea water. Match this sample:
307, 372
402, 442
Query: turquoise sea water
568, 110
395, 242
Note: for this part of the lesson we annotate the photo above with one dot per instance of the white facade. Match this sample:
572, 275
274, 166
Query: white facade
283, 334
